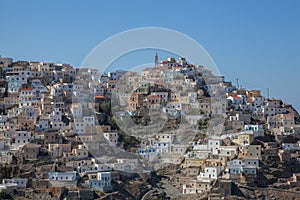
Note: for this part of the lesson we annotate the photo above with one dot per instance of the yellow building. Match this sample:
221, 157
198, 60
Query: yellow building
193, 162
245, 138
214, 162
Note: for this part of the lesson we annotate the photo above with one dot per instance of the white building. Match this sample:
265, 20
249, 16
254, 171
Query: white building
162, 147
163, 96
112, 137
148, 152
17, 139
62, 176
273, 107
116, 75
235, 99
258, 130
246, 166
102, 181
258, 101
38, 85
76, 110
88, 168
21, 183
235, 166
213, 145
210, 173
169, 138
89, 121
290, 146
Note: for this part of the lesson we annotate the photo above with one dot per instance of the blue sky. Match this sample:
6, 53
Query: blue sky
257, 41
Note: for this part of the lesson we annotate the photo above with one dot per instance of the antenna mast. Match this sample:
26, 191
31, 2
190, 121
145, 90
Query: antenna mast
156, 60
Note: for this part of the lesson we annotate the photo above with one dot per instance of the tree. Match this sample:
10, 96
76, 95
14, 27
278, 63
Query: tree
5, 171
105, 107
202, 124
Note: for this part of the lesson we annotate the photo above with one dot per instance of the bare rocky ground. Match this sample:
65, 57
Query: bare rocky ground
243, 192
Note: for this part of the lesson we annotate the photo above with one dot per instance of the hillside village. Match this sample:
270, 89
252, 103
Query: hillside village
172, 131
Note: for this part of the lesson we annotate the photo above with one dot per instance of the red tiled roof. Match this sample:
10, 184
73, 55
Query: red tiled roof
27, 89
153, 96
99, 97
177, 67
236, 97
